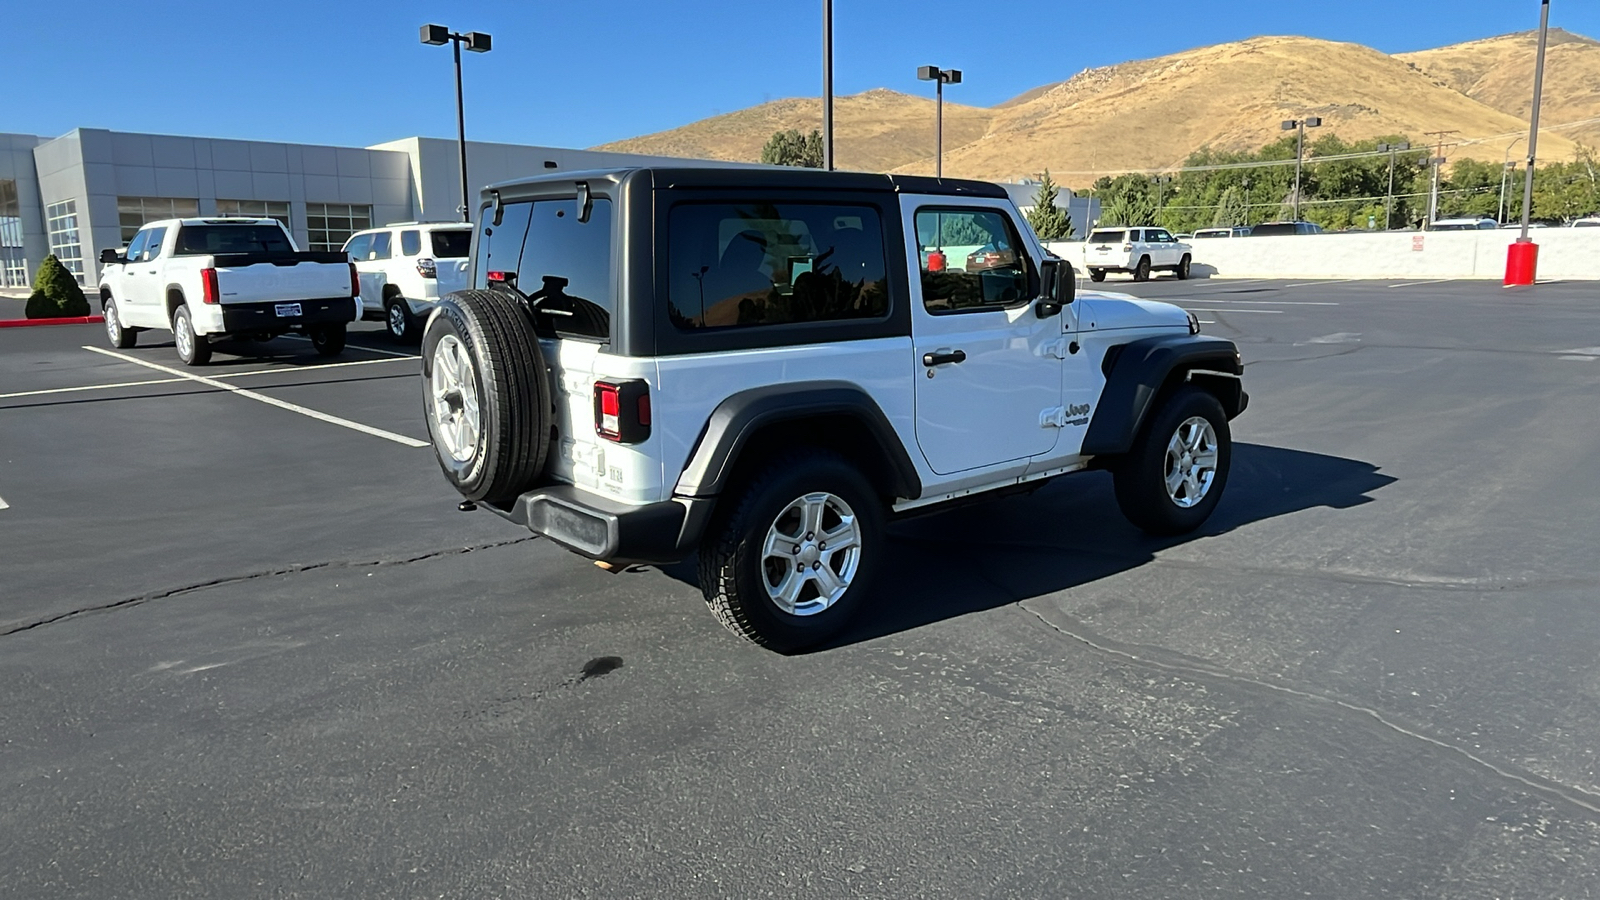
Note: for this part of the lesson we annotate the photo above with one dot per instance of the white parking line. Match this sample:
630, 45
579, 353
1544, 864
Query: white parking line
263, 398
1415, 283
1270, 312
1257, 302
298, 337
4, 504
1322, 282
125, 384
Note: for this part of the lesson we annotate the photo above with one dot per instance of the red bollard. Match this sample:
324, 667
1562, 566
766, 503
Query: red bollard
1522, 263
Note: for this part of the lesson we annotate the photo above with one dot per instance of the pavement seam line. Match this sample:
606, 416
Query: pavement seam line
1543, 787
270, 401
253, 576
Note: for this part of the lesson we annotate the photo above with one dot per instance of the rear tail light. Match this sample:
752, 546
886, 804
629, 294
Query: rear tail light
208, 285
355, 281
1126, 247
427, 268
622, 411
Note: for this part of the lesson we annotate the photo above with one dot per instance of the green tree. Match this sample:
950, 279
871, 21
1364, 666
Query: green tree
56, 293
1128, 200
791, 148
1050, 222
1563, 191
1232, 208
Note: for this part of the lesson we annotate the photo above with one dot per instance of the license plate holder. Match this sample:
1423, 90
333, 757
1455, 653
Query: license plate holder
287, 310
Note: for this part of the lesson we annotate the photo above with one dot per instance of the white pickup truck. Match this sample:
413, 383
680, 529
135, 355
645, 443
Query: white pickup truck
209, 279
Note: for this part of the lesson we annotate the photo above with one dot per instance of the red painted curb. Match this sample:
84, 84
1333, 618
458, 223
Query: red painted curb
70, 320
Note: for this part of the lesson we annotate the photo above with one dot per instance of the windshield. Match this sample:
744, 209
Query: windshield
199, 240
452, 244
1107, 237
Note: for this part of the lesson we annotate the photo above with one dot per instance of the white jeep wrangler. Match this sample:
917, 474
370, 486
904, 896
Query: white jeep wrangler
762, 367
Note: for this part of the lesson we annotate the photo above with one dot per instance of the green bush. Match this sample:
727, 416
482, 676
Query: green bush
56, 293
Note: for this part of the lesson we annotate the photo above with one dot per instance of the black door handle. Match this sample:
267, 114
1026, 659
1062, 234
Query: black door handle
940, 358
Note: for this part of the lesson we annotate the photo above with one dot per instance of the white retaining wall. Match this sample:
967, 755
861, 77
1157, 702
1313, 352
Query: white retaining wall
1564, 254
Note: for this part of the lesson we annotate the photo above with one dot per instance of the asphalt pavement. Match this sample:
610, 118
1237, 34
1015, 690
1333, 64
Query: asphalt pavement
248, 647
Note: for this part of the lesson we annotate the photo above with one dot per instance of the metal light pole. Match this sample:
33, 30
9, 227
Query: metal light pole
1522, 257
1438, 166
477, 42
1388, 198
940, 77
827, 85
1300, 151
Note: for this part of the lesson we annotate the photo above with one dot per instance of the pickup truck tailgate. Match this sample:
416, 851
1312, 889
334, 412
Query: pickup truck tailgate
279, 280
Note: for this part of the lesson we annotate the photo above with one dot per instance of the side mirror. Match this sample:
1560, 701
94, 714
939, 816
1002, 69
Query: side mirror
1060, 288
109, 257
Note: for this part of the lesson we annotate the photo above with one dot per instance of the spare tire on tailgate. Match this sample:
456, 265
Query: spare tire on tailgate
486, 395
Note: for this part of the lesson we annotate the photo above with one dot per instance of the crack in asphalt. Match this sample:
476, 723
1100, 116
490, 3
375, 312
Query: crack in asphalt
266, 573
1561, 794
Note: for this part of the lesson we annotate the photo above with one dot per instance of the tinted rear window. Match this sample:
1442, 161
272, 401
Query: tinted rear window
451, 244
562, 265
196, 240
1107, 237
1270, 228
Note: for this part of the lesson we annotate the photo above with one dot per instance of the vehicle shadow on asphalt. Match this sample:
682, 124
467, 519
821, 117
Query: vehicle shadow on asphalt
1070, 533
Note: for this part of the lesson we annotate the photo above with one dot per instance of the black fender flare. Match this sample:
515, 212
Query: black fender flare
1137, 371
740, 416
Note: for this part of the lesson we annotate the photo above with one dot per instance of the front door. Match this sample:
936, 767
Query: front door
988, 368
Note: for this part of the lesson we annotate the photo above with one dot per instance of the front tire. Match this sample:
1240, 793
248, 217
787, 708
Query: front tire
486, 395
193, 349
1097, 275
1173, 477
121, 338
1183, 268
787, 566
1141, 272
328, 339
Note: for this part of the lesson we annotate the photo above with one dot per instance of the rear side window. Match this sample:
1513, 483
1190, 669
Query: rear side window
972, 260
562, 265
451, 244
744, 264
380, 246
197, 240
410, 243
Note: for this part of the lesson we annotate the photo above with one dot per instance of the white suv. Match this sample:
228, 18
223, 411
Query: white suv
406, 267
1135, 250
764, 367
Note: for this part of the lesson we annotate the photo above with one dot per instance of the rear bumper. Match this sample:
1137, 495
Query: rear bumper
247, 317
601, 528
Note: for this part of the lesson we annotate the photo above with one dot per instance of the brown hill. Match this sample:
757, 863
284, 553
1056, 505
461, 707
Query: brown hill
1151, 114
1498, 72
874, 131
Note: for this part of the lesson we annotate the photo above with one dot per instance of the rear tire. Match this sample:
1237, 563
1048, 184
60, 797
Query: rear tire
193, 349
398, 320
1097, 275
1141, 272
121, 338
328, 339
486, 395
1183, 268
1173, 477
750, 569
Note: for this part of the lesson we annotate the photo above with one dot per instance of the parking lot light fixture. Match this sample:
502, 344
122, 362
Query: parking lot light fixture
477, 42
1299, 125
940, 78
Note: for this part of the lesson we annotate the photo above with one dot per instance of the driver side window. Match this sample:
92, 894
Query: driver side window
972, 260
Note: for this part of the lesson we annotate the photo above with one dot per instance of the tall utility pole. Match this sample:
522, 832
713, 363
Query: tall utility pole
940, 77
827, 85
1300, 152
1388, 199
1505, 173
477, 42
1533, 126
1438, 163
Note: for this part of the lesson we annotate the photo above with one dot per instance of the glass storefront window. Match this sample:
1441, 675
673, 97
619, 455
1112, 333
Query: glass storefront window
134, 212
13, 264
329, 225
61, 221
259, 209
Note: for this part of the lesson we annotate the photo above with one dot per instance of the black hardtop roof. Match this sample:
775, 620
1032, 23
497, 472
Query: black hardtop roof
780, 177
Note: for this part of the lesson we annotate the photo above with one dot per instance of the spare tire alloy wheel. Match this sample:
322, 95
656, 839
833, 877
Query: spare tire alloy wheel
811, 554
486, 396
453, 391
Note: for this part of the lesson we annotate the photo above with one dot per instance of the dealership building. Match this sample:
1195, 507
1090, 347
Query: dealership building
91, 189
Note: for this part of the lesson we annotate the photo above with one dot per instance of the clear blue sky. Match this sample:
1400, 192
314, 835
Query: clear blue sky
575, 74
